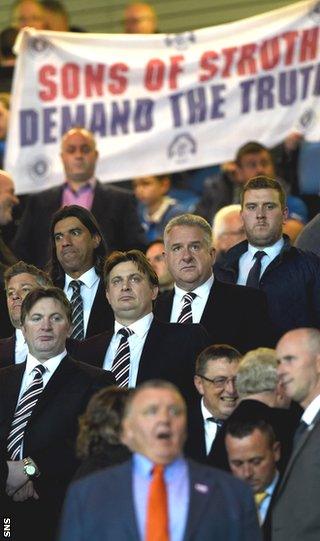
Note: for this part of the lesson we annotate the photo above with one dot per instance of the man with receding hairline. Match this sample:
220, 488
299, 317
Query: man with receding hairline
158, 494
113, 208
296, 509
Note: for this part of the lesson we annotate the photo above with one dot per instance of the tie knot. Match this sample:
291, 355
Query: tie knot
189, 297
259, 497
125, 331
76, 285
157, 469
218, 422
259, 255
39, 369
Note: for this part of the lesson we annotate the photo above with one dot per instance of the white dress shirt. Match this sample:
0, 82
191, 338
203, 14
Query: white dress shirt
311, 411
197, 305
21, 348
136, 343
90, 281
210, 427
247, 259
50, 365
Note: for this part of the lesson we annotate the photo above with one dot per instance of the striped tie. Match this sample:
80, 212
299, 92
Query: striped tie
77, 310
186, 310
121, 362
23, 412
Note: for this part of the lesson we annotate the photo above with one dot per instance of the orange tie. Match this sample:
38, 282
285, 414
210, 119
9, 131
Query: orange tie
157, 526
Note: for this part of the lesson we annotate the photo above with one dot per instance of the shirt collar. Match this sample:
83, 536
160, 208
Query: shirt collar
88, 278
201, 291
139, 327
143, 465
50, 365
311, 411
270, 488
19, 337
271, 251
206, 414
157, 215
90, 183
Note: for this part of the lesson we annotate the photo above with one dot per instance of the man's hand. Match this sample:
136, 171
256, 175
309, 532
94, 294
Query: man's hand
25, 492
16, 476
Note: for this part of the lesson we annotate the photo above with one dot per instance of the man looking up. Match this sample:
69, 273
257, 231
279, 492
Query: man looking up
199, 297
78, 252
289, 277
162, 495
113, 208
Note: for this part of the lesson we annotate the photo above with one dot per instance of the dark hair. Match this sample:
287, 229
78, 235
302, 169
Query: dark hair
159, 240
55, 6
261, 182
214, 353
43, 279
100, 425
7, 40
252, 147
89, 221
242, 428
45, 293
136, 257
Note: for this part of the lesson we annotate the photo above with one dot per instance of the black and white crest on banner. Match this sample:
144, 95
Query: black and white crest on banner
180, 41
182, 148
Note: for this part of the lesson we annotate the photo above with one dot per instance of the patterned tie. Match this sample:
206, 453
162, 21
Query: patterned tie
77, 310
121, 362
157, 523
259, 497
186, 310
254, 273
23, 412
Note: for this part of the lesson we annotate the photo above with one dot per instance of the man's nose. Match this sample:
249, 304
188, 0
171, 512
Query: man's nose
246, 471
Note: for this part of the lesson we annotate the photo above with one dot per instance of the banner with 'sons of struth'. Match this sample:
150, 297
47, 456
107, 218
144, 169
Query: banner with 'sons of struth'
163, 103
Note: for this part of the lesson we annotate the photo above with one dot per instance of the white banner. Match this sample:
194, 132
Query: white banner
164, 103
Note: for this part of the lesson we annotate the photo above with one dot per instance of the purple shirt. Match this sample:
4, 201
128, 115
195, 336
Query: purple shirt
82, 197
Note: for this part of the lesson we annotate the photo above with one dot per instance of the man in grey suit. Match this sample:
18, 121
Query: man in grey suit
198, 503
296, 510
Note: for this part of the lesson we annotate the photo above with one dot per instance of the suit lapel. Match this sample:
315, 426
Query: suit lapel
200, 495
297, 449
154, 336
163, 306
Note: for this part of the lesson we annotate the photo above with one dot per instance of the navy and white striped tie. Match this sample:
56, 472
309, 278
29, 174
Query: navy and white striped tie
77, 310
186, 310
23, 412
121, 362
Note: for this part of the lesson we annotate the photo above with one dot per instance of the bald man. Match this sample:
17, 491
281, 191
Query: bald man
113, 208
140, 18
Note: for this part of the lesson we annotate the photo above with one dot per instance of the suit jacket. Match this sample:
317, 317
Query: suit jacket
101, 315
220, 508
233, 315
49, 438
295, 514
114, 209
169, 352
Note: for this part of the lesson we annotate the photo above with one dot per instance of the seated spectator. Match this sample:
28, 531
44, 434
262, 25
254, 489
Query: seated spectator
155, 207
56, 15
28, 13
253, 454
155, 256
99, 439
227, 229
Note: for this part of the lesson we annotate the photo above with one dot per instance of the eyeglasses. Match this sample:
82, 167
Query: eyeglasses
220, 381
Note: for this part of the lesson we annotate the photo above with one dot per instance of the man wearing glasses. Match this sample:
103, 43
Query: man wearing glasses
215, 378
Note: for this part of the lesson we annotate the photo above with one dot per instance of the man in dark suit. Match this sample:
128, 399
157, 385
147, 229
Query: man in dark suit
19, 280
77, 255
194, 502
295, 513
54, 390
289, 277
113, 208
156, 349
215, 378
231, 315
253, 453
